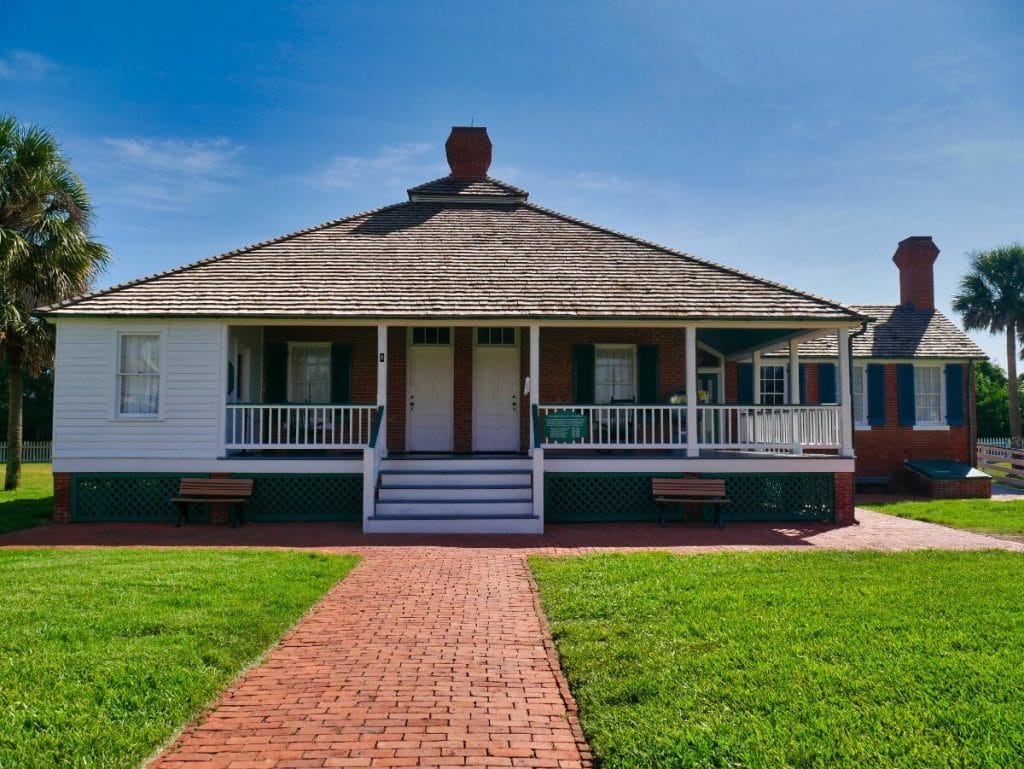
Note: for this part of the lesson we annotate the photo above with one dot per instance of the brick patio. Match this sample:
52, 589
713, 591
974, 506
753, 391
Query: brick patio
433, 651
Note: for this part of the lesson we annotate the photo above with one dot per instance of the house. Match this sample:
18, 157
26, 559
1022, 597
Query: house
465, 360
912, 379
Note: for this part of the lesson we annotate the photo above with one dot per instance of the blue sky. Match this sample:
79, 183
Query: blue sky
799, 141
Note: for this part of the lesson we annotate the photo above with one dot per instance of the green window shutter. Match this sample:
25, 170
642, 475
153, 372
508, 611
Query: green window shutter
341, 373
275, 380
647, 373
583, 360
955, 394
802, 376
745, 380
827, 383
905, 394
876, 394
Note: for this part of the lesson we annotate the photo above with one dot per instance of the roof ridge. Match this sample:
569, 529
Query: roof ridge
210, 259
700, 260
510, 189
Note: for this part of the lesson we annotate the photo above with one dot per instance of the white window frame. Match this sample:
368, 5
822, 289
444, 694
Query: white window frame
941, 424
597, 351
125, 416
292, 348
785, 383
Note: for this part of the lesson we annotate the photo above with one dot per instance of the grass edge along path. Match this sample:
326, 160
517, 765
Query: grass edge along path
986, 516
105, 654
828, 659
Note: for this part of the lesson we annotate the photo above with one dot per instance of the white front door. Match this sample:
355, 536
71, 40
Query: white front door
495, 398
431, 394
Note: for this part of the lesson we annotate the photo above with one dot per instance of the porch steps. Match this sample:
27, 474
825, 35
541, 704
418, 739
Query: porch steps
455, 495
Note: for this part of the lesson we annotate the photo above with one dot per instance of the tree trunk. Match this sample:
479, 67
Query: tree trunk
14, 406
1011, 370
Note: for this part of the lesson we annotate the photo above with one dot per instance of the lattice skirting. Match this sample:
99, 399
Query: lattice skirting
146, 497
579, 497
305, 497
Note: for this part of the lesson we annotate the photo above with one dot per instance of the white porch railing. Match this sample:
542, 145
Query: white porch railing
782, 428
259, 426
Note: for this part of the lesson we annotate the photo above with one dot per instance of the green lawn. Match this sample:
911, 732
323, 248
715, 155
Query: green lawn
31, 504
985, 515
818, 659
105, 654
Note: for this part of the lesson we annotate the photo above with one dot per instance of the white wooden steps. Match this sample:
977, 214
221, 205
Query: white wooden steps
443, 494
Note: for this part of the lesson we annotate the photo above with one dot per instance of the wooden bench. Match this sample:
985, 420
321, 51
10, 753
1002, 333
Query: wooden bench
690, 491
211, 491
862, 481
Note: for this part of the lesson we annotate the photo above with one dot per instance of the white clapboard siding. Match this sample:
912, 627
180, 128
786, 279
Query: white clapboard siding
191, 390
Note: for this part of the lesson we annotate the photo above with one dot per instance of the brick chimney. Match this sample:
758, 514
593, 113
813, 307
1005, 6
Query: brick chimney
469, 152
915, 256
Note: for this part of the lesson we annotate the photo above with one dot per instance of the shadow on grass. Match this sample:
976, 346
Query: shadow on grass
18, 514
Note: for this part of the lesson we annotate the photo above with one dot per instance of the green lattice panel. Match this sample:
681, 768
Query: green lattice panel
584, 497
779, 496
125, 497
305, 497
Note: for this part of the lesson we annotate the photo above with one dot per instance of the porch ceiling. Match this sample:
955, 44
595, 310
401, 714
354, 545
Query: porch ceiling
734, 341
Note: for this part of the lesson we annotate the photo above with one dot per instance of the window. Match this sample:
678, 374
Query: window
773, 385
503, 336
432, 335
309, 373
860, 412
928, 394
614, 373
138, 375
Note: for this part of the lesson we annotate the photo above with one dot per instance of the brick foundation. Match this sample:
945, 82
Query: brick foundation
961, 488
62, 497
844, 508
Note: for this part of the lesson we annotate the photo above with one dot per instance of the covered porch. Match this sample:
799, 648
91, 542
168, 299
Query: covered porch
515, 389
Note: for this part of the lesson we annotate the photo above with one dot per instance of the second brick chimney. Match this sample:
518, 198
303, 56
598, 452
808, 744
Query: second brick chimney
914, 257
469, 152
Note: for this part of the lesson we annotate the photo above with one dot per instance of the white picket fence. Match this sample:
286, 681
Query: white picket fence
1001, 442
31, 451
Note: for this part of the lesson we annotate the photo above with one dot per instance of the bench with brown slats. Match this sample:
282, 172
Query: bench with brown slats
690, 491
211, 491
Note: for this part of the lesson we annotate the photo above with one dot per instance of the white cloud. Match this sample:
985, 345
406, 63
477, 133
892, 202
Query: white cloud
168, 173
596, 181
25, 65
399, 166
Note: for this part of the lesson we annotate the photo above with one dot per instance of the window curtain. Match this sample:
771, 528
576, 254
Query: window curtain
140, 374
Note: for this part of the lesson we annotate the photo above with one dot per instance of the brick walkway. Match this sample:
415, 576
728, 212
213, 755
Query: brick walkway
433, 652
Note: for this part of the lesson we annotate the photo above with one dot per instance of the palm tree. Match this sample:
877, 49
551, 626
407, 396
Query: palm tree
991, 298
46, 255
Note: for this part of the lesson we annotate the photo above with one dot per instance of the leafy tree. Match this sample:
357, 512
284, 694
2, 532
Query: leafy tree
46, 255
991, 298
993, 400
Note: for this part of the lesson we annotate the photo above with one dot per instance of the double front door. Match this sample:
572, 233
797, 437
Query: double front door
431, 391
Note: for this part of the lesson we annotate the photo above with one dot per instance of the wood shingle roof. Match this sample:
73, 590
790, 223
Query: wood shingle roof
458, 249
899, 332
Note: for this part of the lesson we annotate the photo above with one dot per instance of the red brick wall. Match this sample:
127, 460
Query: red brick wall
963, 488
844, 498
883, 449
396, 405
364, 351
62, 497
463, 436
556, 375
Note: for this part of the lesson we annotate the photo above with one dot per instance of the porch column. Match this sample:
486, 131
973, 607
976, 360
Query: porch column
794, 372
382, 386
755, 365
534, 379
845, 404
691, 392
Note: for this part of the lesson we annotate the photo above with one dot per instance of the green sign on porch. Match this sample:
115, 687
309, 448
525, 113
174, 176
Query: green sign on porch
565, 426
